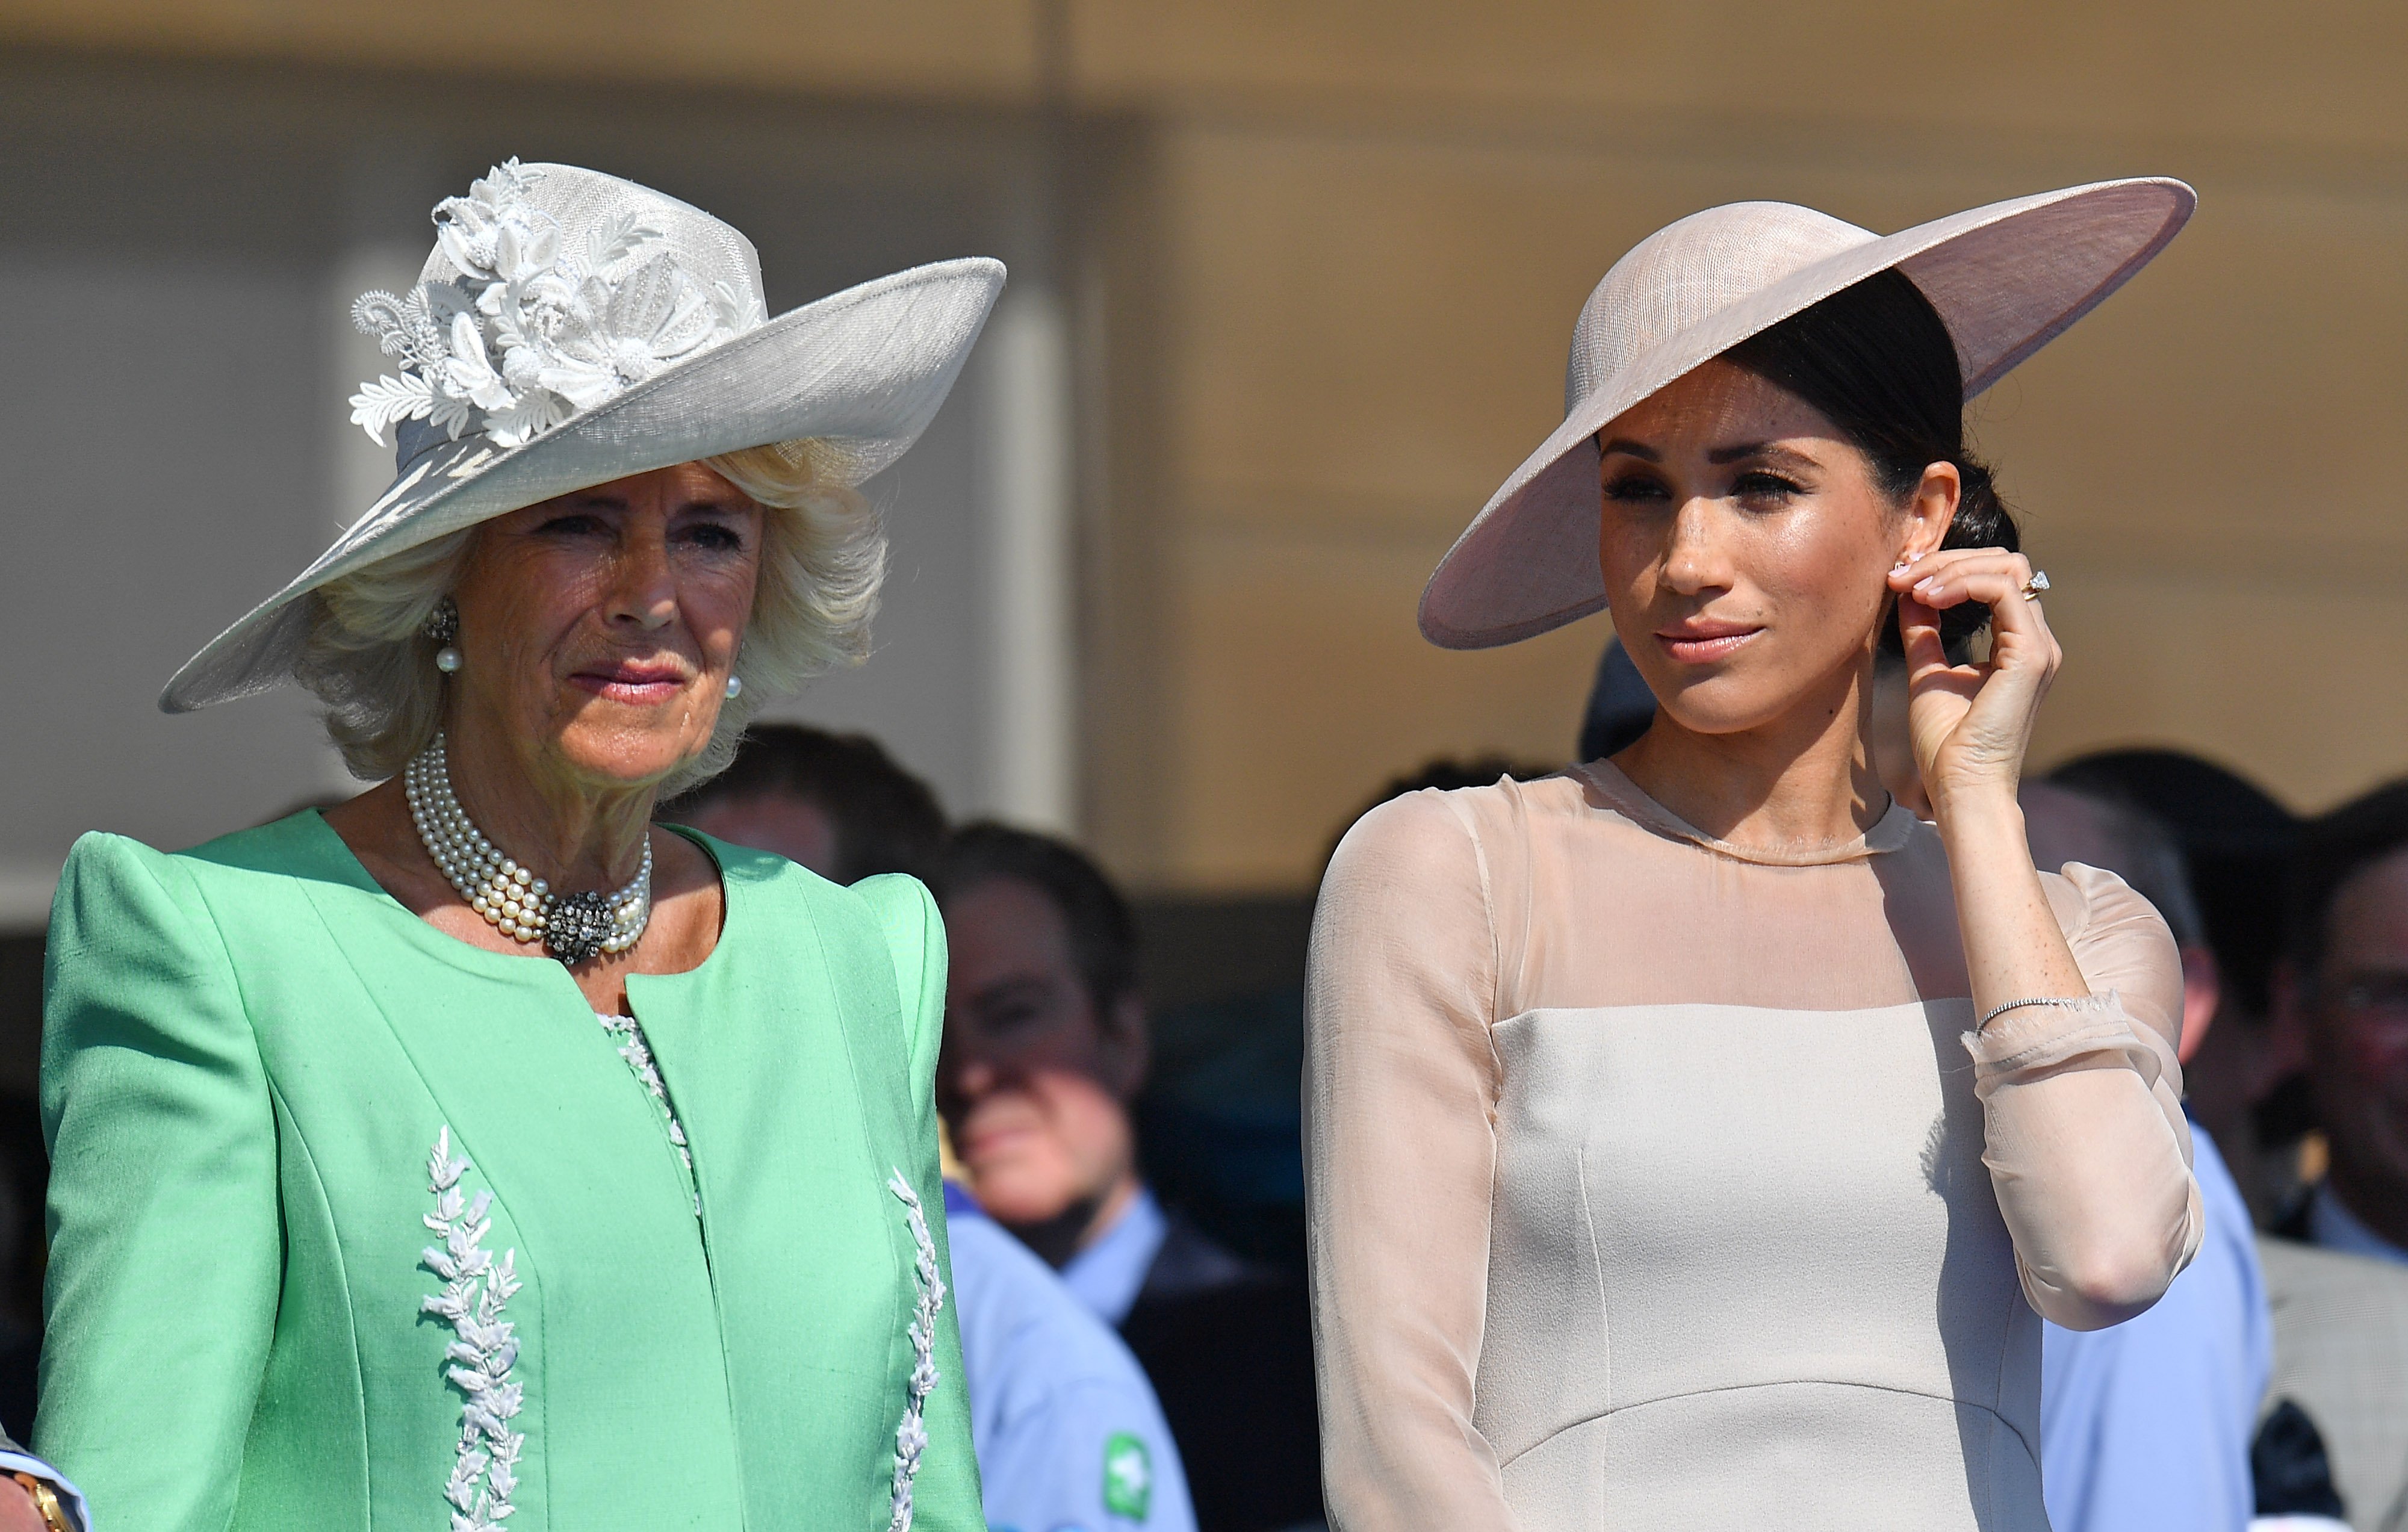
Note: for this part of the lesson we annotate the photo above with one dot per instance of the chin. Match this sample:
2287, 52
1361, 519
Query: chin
1010, 1198
632, 754
1725, 704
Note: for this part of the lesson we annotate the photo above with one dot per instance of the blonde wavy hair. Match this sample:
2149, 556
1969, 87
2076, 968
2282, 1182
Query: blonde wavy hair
823, 557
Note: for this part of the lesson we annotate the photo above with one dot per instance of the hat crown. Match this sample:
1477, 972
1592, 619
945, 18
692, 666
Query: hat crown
581, 201
1686, 273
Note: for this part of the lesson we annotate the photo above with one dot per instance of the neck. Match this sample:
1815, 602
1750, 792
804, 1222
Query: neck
1081, 1224
574, 835
1803, 779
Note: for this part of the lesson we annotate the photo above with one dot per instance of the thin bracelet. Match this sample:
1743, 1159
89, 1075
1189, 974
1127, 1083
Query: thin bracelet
1997, 1011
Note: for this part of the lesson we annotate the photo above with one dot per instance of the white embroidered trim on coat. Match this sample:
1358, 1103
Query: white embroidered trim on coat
475, 1289
911, 1436
638, 1056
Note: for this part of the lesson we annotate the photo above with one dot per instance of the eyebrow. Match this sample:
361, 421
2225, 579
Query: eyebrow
1769, 452
1739, 452
597, 498
1011, 987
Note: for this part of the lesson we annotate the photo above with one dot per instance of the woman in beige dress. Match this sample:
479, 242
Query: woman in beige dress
1697, 1138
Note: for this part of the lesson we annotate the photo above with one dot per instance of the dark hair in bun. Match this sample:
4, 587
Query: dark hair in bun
1876, 360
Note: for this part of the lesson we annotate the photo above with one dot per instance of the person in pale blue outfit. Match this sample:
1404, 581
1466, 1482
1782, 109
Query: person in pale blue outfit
2146, 1424
1069, 1438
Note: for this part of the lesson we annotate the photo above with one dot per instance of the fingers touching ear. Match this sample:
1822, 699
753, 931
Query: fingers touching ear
1918, 625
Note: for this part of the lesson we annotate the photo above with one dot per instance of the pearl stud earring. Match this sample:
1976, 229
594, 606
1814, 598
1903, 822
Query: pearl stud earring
735, 687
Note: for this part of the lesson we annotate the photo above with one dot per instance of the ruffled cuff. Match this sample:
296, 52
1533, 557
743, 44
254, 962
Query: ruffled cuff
2034, 1042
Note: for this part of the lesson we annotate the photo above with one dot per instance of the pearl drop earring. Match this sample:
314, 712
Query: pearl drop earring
735, 687
442, 625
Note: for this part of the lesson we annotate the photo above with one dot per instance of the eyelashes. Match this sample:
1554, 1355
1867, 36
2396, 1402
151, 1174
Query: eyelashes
1761, 485
1758, 486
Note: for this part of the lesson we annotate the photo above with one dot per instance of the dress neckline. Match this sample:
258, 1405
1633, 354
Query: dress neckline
1888, 832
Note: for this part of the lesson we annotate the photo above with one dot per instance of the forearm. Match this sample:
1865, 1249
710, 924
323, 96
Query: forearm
2014, 949
2084, 1139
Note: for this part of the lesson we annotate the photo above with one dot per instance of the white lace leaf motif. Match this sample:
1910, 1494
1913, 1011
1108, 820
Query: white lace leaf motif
541, 324
912, 1434
476, 1289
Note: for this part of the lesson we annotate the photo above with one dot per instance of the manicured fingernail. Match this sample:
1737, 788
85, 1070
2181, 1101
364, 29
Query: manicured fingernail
1925, 586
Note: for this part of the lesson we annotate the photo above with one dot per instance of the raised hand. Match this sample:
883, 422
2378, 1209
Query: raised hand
1972, 723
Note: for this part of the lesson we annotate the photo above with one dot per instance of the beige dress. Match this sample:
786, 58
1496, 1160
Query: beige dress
1647, 1174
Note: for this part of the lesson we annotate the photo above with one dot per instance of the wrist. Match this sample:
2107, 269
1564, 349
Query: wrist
45, 1502
1986, 808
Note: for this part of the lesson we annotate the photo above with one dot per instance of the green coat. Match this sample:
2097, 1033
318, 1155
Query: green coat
250, 1054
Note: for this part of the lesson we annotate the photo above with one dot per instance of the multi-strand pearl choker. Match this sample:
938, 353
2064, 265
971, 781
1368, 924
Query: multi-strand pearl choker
514, 901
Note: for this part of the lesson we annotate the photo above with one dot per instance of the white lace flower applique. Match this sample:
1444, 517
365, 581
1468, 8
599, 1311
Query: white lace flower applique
542, 321
484, 1349
912, 1435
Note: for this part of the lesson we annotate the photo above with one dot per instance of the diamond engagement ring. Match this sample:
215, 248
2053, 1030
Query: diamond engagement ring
2032, 587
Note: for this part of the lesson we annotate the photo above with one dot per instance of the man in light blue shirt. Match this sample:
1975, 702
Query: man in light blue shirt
2146, 1424
1069, 1437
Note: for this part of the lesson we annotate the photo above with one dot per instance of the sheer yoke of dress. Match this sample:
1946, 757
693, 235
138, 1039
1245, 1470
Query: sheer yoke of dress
1657, 1183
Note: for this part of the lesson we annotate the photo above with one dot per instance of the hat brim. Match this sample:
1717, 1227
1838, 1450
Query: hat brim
861, 372
2007, 279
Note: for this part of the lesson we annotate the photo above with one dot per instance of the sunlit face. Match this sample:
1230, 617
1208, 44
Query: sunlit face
2358, 1033
598, 629
1033, 1078
1744, 546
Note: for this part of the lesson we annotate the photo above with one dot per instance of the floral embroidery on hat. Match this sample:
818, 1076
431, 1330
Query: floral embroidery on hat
542, 322
476, 1288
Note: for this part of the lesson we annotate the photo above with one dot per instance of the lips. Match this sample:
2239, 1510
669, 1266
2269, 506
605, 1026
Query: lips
632, 682
993, 1126
1702, 643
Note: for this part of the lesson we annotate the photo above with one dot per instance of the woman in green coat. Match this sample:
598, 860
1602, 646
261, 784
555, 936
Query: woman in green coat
478, 1150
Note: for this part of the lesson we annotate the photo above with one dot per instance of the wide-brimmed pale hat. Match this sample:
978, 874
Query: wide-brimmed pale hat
572, 328
2006, 278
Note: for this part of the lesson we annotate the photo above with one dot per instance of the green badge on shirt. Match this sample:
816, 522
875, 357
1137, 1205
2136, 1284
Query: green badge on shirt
1129, 1476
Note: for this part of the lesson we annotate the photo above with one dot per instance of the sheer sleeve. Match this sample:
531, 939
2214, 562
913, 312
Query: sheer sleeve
2086, 1142
1399, 1100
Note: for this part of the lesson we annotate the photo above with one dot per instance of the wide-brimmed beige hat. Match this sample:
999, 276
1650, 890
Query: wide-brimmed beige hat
2006, 278
572, 328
